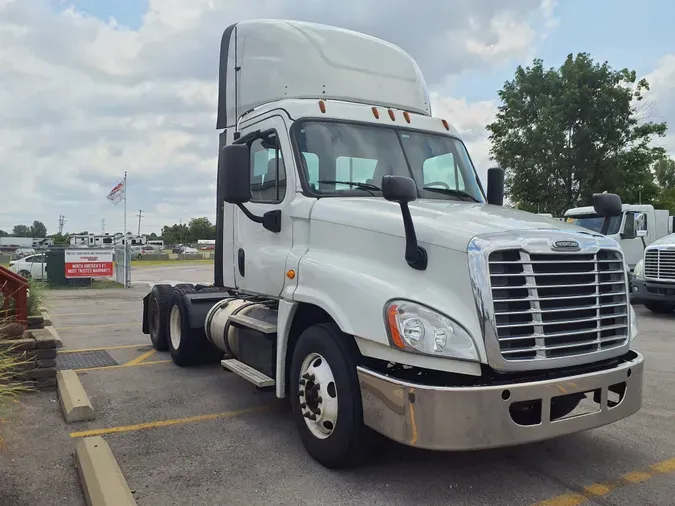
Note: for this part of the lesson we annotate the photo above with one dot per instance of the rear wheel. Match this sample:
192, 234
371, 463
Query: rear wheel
660, 307
25, 274
187, 345
158, 315
325, 396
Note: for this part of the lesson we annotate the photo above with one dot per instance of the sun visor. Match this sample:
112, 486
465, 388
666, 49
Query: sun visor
276, 60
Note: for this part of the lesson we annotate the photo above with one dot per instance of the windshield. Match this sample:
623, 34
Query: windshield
350, 159
594, 222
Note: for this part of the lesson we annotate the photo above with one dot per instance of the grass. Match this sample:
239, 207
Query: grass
153, 263
10, 389
95, 284
36, 295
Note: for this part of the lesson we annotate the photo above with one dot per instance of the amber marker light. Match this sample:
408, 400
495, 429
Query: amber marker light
393, 327
445, 124
322, 106
391, 115
406, 116
290, 274
376, 113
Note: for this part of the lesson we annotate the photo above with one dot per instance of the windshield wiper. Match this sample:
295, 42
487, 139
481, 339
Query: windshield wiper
362, 186
450, 191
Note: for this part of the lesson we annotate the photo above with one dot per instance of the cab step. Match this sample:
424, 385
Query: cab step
248, 373
253, 323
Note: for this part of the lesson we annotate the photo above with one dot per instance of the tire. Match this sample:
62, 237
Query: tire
660, 307
187, 346
158, 316
25, 274
343, 446
181, 286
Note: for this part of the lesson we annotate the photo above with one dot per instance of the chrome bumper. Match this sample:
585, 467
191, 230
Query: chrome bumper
468, 418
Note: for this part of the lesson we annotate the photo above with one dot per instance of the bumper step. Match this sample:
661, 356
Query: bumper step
248, 373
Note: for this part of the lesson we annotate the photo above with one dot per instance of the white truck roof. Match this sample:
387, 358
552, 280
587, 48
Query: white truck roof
663, 241
280, 59
640, 208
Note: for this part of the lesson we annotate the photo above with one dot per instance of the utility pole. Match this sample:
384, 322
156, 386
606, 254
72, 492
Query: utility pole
62, 221
140, 214
103, 227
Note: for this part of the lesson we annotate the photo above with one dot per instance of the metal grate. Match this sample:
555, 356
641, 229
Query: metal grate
85, 360
558, 305
660, 264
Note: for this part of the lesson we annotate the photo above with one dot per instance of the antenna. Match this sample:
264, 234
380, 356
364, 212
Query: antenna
62, 221
140, 215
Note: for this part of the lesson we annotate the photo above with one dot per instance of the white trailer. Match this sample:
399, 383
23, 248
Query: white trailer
364, 272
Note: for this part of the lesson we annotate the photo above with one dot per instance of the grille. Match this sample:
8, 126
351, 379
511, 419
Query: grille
558, 305
660, 264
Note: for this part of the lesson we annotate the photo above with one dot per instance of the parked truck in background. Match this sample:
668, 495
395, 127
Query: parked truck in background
635, 228
365, 273
653, 283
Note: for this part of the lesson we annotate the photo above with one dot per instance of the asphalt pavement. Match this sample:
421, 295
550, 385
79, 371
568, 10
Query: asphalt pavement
201, 436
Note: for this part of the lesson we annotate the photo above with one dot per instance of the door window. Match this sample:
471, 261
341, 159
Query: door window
268, 172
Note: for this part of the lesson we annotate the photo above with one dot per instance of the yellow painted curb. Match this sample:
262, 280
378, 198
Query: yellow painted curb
101, 478
75, 403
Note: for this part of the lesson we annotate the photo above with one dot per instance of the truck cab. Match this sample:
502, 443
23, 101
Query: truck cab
364, 271
653, 283
634, 229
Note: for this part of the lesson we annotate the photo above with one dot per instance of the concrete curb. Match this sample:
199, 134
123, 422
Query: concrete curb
45, 316
74, 401
55, 335
101, 478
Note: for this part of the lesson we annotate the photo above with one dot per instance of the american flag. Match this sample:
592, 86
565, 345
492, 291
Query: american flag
116, 194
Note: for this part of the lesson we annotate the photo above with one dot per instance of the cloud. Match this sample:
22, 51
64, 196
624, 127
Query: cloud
85, 99
660, 99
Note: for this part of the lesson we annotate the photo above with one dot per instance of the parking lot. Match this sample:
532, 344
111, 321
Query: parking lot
202, 436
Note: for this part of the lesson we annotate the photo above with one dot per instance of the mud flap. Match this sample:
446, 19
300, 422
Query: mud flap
146, 301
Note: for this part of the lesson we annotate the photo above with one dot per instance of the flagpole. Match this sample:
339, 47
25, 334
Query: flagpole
126, 239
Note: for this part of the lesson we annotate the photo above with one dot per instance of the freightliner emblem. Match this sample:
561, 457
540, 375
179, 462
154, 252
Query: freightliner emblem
566, 245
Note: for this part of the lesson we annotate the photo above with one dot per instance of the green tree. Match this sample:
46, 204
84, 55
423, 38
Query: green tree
666, 200
564, 134
38, 229
21, 231
60, 239
664, 168
3, 233
202, 228
176, 234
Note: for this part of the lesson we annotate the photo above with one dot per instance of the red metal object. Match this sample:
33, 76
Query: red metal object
14, 287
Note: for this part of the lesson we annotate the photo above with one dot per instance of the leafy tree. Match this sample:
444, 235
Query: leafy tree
564, 134
38, 229
21, 231
202, 228
60, 239
664, 168
666, 200
176, 234
3, 233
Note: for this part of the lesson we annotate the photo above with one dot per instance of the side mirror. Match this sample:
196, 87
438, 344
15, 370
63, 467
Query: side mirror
607, 204
403, 189
399, 189
641, 233
235, 173
495, 186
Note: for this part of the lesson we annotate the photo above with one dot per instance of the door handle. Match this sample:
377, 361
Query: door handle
241, 259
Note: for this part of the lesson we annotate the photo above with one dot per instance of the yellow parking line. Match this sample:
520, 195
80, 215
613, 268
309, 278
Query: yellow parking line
95, 313
80, 350
106, 367
166, 423
140, 358
98, 325
602, 489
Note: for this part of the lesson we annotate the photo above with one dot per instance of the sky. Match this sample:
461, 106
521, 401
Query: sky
90, 89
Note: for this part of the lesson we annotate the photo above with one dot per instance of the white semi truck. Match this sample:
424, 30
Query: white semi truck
635, 228
364, 272
653, 283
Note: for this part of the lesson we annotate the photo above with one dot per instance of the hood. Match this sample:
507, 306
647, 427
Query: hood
668, 240
444, 223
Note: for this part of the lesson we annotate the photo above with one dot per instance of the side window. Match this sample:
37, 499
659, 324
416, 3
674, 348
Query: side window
443, 170
629, 226
357, 170
268, 173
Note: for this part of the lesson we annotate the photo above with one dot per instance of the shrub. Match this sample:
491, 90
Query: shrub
36, 294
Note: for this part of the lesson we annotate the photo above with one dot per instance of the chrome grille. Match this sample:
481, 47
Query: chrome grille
555, 305
660, 264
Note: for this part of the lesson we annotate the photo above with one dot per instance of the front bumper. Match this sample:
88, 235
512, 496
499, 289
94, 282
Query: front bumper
642, 290
469, 418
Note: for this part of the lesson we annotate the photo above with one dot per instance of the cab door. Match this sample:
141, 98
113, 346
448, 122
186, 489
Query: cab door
260, 254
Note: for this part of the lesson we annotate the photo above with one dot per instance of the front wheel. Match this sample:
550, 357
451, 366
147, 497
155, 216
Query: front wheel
660, 307
25, 275
325, 396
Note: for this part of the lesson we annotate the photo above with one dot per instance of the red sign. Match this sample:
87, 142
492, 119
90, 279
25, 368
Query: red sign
89, 263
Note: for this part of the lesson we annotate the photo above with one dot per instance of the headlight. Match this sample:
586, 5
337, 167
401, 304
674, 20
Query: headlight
633, 323
416, 328
638, 271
